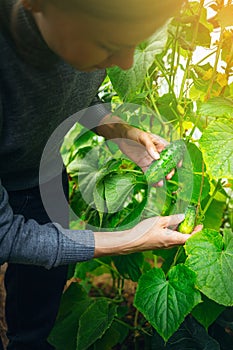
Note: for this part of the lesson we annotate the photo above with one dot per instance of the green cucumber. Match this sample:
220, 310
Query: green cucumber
169, 158
188, 224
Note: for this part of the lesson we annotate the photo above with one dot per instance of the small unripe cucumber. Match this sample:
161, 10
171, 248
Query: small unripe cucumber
169, 158
188, 224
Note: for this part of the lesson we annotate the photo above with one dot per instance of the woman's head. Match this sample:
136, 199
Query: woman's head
94, 34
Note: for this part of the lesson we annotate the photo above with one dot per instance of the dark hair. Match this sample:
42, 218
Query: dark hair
112, 9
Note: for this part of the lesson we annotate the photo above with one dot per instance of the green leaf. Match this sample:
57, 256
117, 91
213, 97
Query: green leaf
126, 83
167, 107
217, 148
130, 265
214, 215
190, 176
168, 256
73, 303
82, 268
128, 217
225, 16
117, 188
94, 322
116, 334
210, 256
99, 199
207, 312
166, 302
217, 107
190, 336
88, 173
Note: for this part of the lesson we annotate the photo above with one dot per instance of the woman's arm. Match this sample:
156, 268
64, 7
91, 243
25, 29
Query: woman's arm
149, 234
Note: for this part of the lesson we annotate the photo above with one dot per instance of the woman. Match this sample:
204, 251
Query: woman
52, 62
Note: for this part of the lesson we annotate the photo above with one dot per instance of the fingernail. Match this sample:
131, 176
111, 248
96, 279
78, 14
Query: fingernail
199, 228
160, 183
154, 154
169, 176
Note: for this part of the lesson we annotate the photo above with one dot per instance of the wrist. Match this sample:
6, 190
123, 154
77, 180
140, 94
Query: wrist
112, 127
114, 243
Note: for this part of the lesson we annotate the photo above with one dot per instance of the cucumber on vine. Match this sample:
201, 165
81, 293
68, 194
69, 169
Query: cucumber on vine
169, 158
188, 224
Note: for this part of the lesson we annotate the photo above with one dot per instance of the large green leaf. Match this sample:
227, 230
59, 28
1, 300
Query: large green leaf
117, 188
207, 311
87, 171
166, 301
217, 107
127, 82
225, 16
214, 215
73, 303
128, 216
130, 265
94, 322
190, 336
217, 147
210, 256
88, 175
116, 334
190, 176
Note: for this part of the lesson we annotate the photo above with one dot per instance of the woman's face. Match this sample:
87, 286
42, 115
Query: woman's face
89, 43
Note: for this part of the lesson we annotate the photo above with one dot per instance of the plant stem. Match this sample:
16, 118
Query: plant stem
165, 75
192, 47
205, 58
210, 200
193, 128
108, 267
173, 68
124, 324
154, 106
218, 52
176, 258
136, 320
201, 188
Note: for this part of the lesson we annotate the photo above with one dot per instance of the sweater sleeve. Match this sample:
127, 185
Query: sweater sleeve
28, 242
49, 245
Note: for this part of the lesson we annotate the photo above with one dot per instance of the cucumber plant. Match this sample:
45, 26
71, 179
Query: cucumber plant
180, 88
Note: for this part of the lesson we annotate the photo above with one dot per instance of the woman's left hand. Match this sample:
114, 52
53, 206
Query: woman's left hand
140, 146
143, 148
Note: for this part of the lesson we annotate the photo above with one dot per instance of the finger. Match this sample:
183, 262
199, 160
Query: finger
159, 184
155, 144
153, 153
176, 238
171, 174
198, 228
172, 220
151, 147
158, 140
175, 219
180, 164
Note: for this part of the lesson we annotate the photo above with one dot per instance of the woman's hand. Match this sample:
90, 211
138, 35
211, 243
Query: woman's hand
140, 146
150, 234
160, 233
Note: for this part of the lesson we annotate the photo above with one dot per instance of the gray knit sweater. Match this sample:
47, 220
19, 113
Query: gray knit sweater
38, 91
